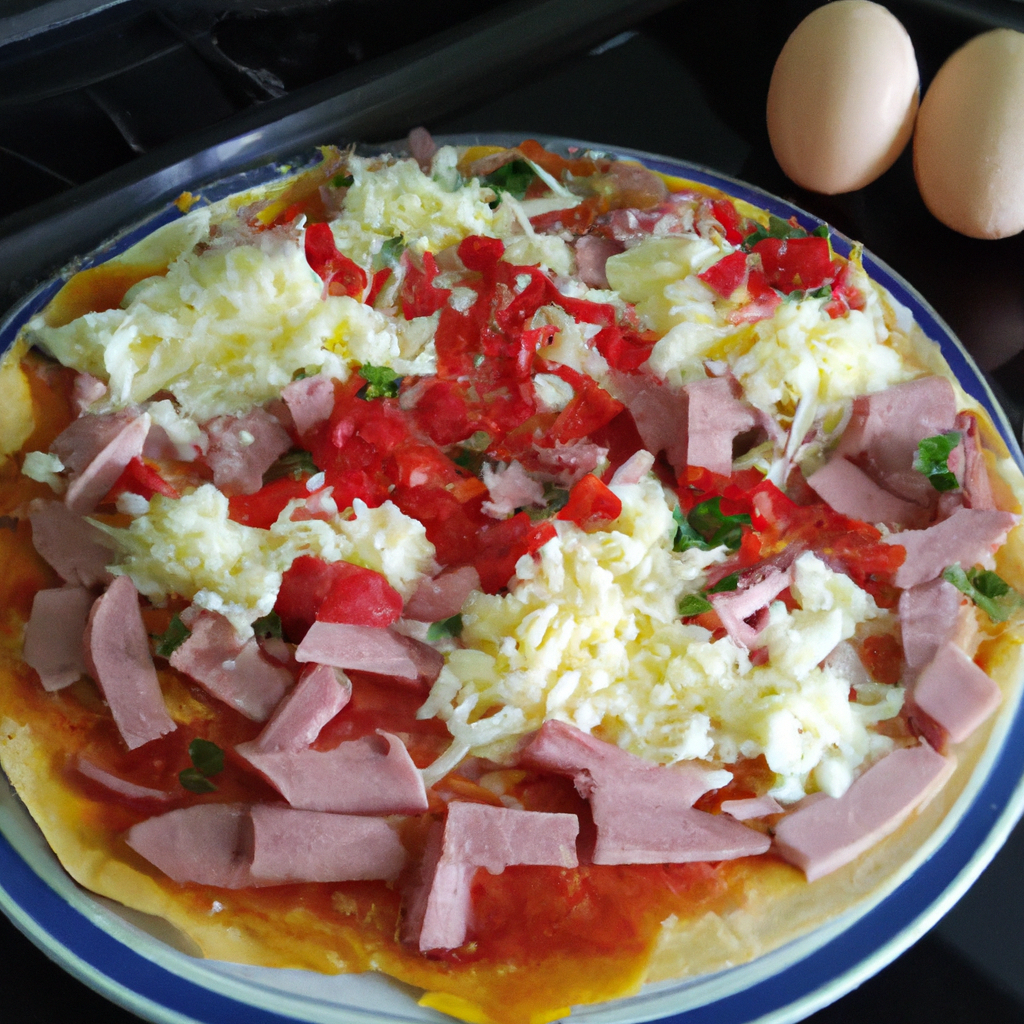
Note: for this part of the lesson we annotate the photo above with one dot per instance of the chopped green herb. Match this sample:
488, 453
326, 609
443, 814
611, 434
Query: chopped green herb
514, 178
694, 604
381, 381
195, 781
298, 464
390, 253
269, 625
445, 628
707, 527
990, 592
478, 441
821, 231
777, 228
725, 584
342, 180
177, 633
207, 759
932, 459
824, 292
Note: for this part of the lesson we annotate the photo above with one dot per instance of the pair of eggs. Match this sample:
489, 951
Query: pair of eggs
843, 103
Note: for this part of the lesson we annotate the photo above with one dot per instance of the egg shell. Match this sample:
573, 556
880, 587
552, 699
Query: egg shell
843, 97
969, 141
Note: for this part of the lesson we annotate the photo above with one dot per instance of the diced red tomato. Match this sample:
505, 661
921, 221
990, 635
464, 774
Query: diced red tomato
502, 544
419, 296
415, 464
451, 524
845, 294
576, 219
478, 252
625, 349
727, 274
141, 478
591, 502
262, 508
377, 284
620, 436
763, 302
340, 274
590, 408
727, 215
882, 656
792, 263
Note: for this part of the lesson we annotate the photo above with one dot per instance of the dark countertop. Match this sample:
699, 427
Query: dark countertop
691, 83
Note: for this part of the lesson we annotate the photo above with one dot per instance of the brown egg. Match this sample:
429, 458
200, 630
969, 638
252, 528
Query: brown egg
969, 141
843, 97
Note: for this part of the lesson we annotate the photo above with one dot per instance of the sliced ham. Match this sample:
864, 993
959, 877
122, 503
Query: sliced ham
479, 836
210, 844
422, 148
243, 448
929, 616
117, 651
643, 813
976, 484
85, 437
510, 487
310, 401
753, 807
634, 469
321, 692
659, 411
372, 775
443, 596
374, 649
232, 670
88, 488
592, 252
969, 537
955, 693
886, 427
851, 492
77, 550
86, 390
744, 611
289, 845
569, 463
55, 633
714, 418
825, 834
118, 785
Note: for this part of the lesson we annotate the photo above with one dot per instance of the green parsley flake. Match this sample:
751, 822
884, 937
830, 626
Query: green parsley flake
168, 642
381, 381
446, 628
989, 591
932, 459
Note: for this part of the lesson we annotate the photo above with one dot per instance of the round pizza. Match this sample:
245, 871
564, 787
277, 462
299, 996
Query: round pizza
524, 575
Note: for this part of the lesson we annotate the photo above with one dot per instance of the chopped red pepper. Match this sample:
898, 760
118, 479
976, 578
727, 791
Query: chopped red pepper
419, 295
262, 508
377, 284
727, 215
590, 502
478, 252
503, 544
764, 300
140, 478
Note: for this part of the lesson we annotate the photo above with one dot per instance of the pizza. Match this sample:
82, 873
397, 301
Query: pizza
525, 575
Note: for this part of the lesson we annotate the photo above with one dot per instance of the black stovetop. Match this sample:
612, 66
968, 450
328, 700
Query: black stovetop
118, 109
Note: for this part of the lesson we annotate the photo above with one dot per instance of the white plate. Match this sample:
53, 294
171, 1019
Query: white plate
123, 954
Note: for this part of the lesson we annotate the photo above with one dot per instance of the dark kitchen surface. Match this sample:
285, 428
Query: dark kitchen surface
102, 95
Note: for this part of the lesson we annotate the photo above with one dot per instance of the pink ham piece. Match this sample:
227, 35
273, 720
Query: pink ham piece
310, 846
118, 785
370, 649
210, 844
442, 596
969, 537
77, 550
744, 611
929, 616
634, 469
232, 670
567, 464
243, 448
643, 812
754, 807
510, 487
479, 836
86, 390
54, 635
88, 488
851, 492
825, 834
371, 775
592, 252
117, 651
885, 428
321, 692
955, 693
85, 437
714, 418
976, 484
310, 401
422, 148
